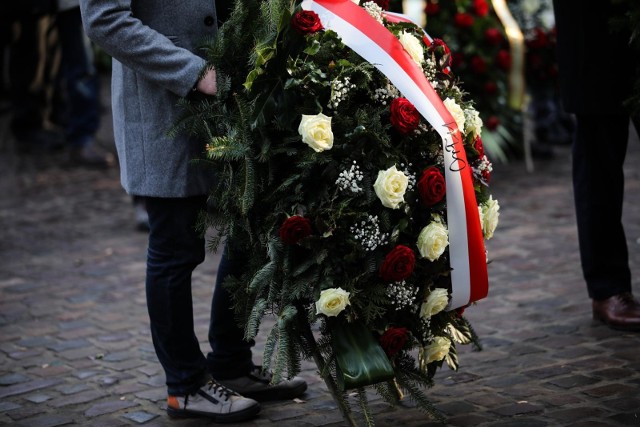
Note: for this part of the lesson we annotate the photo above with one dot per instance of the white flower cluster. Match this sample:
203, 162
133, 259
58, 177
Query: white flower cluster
368, 233
411, 176
348, 180
429, 68
384, 94
427, 335
374, 10
339, 91
401, 295
481, 166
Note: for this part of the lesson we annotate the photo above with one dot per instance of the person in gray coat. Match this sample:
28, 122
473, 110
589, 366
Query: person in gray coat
156, 63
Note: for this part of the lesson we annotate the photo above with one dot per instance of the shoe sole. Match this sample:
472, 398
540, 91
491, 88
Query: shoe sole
271, 394
616, 326
233, 417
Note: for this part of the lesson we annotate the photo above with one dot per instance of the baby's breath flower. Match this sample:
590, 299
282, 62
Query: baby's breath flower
348, 180
339, 91
374, 10
401, 294
368, 233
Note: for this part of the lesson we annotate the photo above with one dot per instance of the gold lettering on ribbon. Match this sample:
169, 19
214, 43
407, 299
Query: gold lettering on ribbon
516, 44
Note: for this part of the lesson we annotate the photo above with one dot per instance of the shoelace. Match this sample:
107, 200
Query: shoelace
627, 299
220, 390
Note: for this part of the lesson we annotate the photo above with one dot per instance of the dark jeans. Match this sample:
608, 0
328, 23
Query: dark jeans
175, 249
599, 151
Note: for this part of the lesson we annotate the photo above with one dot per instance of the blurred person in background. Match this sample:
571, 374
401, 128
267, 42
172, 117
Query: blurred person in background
596, 70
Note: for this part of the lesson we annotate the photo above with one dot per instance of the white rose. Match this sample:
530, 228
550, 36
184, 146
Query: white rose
413, 46
437, 301
438, 349
489, 213
332, 301
456, 112
316, 132
390, 186
473, 122
433, 240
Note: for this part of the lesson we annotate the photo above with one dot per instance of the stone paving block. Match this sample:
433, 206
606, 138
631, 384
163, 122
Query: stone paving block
573, 381
109, 407
518, 409
8, 406
140, 417
11, 379
27, 387
47, 421
76, 399
38, 398
579, 413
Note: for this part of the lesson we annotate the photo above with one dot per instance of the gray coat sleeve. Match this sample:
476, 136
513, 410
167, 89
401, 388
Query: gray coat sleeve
112, 25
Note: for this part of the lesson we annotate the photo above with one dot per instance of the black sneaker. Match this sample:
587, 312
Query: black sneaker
257, 385
215, 402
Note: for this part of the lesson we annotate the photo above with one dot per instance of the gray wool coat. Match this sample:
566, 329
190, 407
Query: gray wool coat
154, 44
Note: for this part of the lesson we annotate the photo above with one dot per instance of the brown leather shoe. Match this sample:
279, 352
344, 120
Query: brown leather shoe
620, 311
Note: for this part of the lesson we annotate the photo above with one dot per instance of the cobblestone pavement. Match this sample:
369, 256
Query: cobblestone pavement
75, 346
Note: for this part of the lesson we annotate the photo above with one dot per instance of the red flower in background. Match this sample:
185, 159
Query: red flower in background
463, 20
457, 59
431, 186
398, 264
503, 59
493, 36
393, 340
538, 39
477, 64
306, 22
481, 7
492, 123
294, 229
490, 88
404, 116
432, 8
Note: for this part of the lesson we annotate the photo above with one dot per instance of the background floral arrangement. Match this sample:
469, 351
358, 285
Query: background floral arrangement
331, 190
481, 59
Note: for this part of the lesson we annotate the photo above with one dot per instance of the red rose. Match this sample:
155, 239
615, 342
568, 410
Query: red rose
478, 65
490, 88
432, 8
478, 146
294, 229
440, 49
431, 186
398, 264
481, 7
384, 4
503, 59
463, 20
492, 123
306, 22
404, 116
393, 340
493, 36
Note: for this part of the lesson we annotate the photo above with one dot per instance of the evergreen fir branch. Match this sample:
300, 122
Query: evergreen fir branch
269, 348
416, 394
255, 318
248, 195
386, 390
364, 406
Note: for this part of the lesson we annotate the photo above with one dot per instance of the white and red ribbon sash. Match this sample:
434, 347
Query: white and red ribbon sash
372, 41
